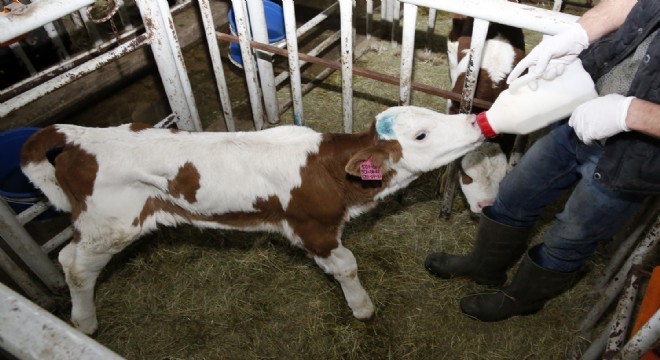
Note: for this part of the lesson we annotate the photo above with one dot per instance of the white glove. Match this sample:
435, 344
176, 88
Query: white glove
549, 57
601, 117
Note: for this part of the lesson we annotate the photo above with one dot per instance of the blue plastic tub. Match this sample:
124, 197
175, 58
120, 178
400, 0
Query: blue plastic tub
274, 23
15, 188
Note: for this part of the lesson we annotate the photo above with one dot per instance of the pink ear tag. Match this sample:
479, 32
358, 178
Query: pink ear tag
369, 171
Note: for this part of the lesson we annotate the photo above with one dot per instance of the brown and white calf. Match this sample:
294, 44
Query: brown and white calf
482, 170
121, 183
504, 48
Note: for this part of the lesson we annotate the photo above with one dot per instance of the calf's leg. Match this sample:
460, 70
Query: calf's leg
342, 266
81, 269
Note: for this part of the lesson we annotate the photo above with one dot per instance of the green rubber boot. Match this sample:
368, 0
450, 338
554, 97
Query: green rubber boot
496, 249
530, 288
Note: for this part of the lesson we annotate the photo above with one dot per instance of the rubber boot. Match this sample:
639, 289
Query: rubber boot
497, 247
530, 288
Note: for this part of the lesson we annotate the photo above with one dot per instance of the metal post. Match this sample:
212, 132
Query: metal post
243, 31
167, 53
370, 18
123, 16
92, 31
616, 285
479, 32
24, 281
294, 66
396, 15
556, 6
643, 340
645, 216
214, 51
430, 29
407, 52
18, 51
622, 315
54, 36
30, 332
346, 15
20, 241
266, 76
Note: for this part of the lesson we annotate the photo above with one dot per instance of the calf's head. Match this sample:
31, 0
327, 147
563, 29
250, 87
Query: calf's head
413, 140
481, 172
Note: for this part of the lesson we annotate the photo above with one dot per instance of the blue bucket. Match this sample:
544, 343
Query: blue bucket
15, 188
274, 24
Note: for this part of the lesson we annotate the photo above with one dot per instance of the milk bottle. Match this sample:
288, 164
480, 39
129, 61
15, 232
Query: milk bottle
525, 110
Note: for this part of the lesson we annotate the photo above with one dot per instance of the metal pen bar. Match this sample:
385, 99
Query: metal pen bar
294, 65
32, 333
21, 243
249, 66
356, 71
216, 61
35, 15
504, 12
70, 76
257, 20
346, 28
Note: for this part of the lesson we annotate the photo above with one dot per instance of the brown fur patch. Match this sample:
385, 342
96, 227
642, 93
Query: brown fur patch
75, 238
267, 211
76, 171
137, 127
186, 183
318, 208
37, 146
465, 178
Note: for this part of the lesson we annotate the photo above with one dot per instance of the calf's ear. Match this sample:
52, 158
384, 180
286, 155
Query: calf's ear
465, 178
378, 156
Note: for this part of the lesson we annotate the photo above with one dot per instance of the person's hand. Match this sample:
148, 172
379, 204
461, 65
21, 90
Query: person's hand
549, 58
601, 117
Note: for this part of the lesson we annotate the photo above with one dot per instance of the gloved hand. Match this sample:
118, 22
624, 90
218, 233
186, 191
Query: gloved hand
601, 117
548, 59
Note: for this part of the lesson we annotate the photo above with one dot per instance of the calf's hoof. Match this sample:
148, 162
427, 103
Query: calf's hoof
88, 326
365, 311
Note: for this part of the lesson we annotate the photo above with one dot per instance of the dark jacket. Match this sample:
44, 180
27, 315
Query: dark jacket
631, 160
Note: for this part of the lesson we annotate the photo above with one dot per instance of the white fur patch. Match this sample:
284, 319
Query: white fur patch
497, 59
487, 166
232, 177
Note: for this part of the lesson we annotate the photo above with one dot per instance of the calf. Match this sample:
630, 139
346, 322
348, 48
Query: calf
121, 183
481, 172
504, 47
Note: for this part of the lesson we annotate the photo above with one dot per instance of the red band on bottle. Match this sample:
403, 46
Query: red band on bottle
482, 121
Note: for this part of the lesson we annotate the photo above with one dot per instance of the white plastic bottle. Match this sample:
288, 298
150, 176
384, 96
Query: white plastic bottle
526, 110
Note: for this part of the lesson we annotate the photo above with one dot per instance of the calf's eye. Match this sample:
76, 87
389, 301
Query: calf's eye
420, 136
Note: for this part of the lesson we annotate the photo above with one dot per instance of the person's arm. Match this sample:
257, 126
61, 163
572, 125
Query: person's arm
644, 116
549, 58
611, 114
605, 17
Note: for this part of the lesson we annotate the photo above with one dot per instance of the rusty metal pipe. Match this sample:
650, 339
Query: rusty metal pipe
356, 71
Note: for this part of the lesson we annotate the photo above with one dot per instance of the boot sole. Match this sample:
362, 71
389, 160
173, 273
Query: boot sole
528, 312
479, 281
